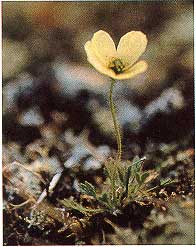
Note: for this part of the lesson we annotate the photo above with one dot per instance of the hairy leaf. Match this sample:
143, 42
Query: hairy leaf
167, 181
144, 177
121, 176
127, 176
138, 177
137, 163
104, 200
88, 189
76, 206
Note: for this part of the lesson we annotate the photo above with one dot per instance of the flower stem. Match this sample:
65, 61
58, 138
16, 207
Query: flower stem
116, 126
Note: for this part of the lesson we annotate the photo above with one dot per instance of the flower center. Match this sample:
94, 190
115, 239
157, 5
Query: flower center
117, 66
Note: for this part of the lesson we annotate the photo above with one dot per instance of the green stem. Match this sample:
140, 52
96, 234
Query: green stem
116, 126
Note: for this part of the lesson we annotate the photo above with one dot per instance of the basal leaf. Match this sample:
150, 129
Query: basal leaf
121, 176
138, 177
144, 176
136, 164
127, 176
167, 181
88, 189
76, 206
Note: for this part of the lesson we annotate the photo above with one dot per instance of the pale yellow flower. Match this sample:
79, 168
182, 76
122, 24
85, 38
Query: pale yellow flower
117, 63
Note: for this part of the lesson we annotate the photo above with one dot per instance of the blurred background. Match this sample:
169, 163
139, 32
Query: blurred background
55, 105
45, 70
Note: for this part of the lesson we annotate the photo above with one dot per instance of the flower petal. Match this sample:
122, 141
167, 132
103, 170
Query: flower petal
136, 69
104, 46
95, 61
131, 46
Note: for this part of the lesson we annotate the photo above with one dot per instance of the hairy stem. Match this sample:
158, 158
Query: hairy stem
116, 126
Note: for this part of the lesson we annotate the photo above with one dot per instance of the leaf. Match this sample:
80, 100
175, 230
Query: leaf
104, 197
88, 189
167, 181
122, 178
144, 177
127, 176
106, 201
138, 177
137, 162
76, 206
132, 190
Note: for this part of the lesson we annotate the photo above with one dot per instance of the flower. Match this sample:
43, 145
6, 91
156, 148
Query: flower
117, 63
